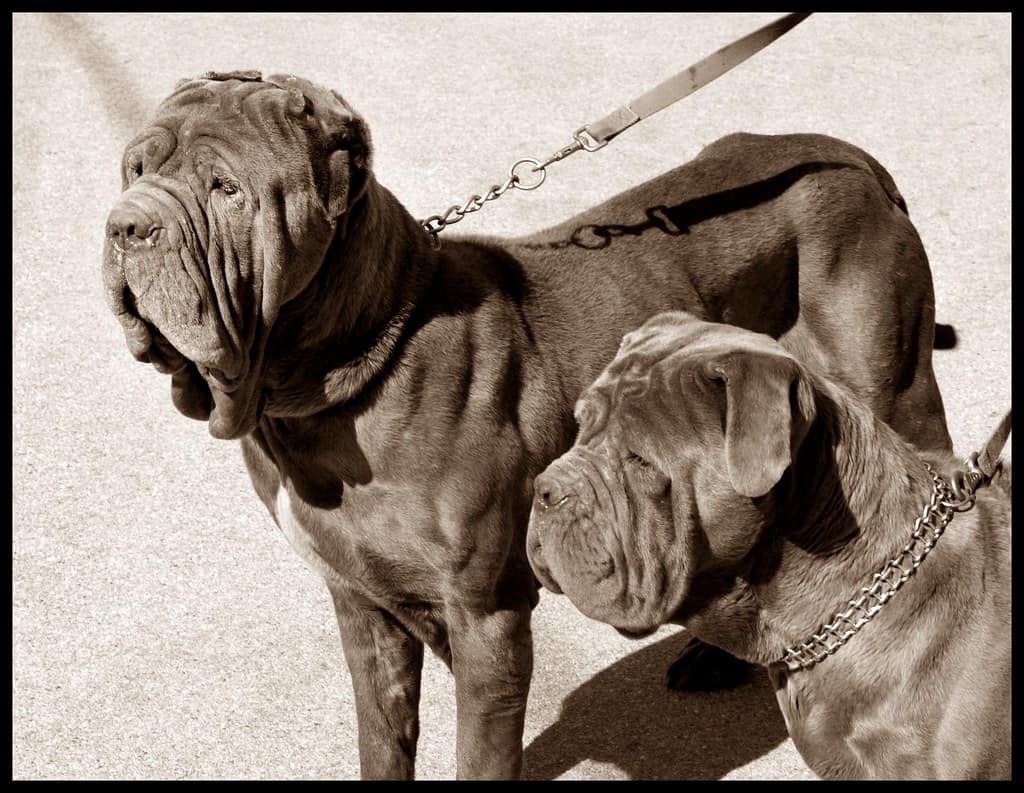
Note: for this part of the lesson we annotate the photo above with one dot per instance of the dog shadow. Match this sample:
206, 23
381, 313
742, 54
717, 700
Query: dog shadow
626, 716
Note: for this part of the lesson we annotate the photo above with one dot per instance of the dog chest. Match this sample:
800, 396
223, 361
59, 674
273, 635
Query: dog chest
365, 548
386, 573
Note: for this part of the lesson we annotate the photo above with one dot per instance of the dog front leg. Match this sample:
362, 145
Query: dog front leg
385, 662
492, 658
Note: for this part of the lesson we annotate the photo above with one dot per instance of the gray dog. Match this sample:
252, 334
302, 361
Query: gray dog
394, 401
718, 483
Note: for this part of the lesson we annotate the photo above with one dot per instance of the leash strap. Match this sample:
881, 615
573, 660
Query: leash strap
988, 459
980, 467
529, 174
689, 80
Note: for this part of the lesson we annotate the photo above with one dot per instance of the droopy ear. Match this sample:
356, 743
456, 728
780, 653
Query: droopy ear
769, 408
344, 136
348, 139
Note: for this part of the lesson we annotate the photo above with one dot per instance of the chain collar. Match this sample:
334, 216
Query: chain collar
928, 528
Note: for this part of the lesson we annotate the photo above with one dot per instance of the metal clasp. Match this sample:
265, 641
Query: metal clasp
561, 154
582, 141
587, 141
963, 484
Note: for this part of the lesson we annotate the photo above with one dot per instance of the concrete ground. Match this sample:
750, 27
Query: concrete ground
162, 626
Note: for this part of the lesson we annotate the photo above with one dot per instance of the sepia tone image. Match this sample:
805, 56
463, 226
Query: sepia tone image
506, 395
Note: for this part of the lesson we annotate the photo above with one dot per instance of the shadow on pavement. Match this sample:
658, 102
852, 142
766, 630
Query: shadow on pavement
626, 716
125, 105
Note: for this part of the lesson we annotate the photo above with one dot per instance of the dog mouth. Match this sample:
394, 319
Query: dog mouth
574, 548
175, 320
535, 558
201, 388
231, 408
191, 394
204, 392
189, 390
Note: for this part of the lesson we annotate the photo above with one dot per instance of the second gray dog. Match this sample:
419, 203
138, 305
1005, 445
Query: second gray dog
719, 483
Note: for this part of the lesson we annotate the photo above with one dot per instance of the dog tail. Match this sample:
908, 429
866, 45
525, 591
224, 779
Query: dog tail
945, 336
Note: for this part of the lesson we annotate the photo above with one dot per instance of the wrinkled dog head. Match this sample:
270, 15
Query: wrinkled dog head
231, 198
681, 441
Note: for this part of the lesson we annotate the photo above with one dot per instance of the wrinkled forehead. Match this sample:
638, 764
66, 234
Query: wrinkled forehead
238, 119
677, 333
295, 94
651, 360
227, 105
625, 382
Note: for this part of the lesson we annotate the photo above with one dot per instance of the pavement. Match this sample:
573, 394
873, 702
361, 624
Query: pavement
162, 626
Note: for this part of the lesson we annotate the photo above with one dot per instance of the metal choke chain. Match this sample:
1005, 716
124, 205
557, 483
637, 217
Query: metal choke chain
927, 530
582, 140
596, 135
436, 223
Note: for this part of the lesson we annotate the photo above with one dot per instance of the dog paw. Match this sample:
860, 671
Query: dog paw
703, 667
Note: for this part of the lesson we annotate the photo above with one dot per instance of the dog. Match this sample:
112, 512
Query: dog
394, 400
719, 483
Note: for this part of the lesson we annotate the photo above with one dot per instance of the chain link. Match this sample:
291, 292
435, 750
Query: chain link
582, 141
437, 223
595, 136
927, 529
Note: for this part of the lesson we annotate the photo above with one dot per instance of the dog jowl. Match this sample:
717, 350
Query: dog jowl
719, 483
394, 401
230, 201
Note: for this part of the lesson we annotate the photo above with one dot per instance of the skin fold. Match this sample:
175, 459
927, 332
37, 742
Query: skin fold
394, 400
719, 483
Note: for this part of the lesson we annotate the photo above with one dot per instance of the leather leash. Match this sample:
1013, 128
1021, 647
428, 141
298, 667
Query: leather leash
981, 466
597, 134
988, 460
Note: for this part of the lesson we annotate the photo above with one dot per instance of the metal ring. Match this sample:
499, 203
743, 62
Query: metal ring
517, 180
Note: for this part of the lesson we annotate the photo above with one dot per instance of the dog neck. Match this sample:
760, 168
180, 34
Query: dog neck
845, 508
339, 334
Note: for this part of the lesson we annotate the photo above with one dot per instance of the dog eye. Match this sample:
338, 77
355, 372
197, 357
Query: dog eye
134, 170
648, 477
636, 459
226, 186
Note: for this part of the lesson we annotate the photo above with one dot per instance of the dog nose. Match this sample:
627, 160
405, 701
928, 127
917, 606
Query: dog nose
131, 226
550, 490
